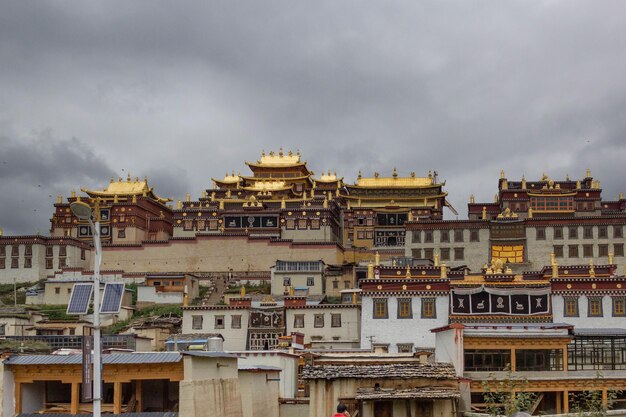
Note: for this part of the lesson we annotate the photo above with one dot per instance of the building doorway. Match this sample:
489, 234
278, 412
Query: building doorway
383, 409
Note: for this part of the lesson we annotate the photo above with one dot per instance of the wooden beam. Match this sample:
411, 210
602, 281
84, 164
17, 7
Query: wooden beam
18, 398
559, 399
117, 397
565, 401
138, 397
75, 398
605, 397
513, 360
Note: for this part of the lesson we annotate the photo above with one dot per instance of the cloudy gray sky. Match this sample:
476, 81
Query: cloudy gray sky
183, 91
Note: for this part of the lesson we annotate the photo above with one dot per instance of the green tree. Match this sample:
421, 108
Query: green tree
589, 402
507, 395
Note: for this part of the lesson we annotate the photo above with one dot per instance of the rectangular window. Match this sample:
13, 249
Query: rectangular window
571, 307
2, 263
28, 262
315, 223
405, 347
49, 263
3, 251
618, 231
196, 322
530, 360
558, 251
619, 306
588, 232
429, 253
573, 232
588, 251
380, 308
235, 322
444, 236
474, 235
82, 254
28, 250
445, 254
57, 290
335, 320
428, 236
360, 234
335, 284
318, 320
416, 236
15, 250
558, 232
298, 321
121, 233
310, 281
459, 254
603, 250
594, 306
540, 233
416, 253
573, 251
291, 224
369, 234
286, 282
302, 224
618, 249
487, 360
428, 308
219, 322
603, 232
62, 250
346, 284
62, 263
15, 263
458, 235
404, 308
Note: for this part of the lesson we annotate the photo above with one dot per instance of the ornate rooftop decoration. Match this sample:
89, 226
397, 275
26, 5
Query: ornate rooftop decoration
279, 159
126, 188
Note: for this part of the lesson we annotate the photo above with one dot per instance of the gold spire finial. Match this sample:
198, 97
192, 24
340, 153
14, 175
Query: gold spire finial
73, 194
395, 172
523, 182
116, 198
610, 258
136, 179
578, 185
505, 184
592, 271
242, 291
119, 179
128, 177
621, 195
134, 198
59, 199
408, 272
0, 231
495, 198
530, 212
436, 259
263, 152
484, 213
179, 205
370, 270
472, 199
588, 173
188, 197
290, 153
377, 258
112, 180
360, 175
280, 152
145, 178
502, 174
325, 203
444, 271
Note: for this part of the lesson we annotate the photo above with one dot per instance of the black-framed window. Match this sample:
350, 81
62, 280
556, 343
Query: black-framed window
487, 359
444, 236
603, 232
594, 307
540, 233
429, 308
15, 263
416, 253
458, 235
618, 231
335, 320
558, 232
318, 320
405, 310
573, 232
405, 347
588, 232
573, 251
459, 254
558, 251
619, 306
474, 235
235, 321
539, 360
219, 322
310, 281
603, 250
588, 251
428, 236
570, 307
429, 253
445, 254
286, 281
381, 310
416, 236
618, 249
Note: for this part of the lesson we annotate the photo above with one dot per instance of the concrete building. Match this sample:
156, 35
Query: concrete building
168, 289
298, 277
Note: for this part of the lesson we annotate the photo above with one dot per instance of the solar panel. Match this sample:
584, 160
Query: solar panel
80, 299
112, 298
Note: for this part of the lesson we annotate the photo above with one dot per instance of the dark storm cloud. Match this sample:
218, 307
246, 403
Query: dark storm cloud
34, 170
188, 91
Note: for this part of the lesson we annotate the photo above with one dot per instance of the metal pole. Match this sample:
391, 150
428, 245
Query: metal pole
97, 360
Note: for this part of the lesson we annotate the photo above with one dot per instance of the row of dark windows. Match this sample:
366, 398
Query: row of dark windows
493, 360
446, 254
404, 308
456, 235
595, 308
573, 251
558, 232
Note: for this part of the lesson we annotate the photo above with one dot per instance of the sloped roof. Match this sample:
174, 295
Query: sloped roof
381, 371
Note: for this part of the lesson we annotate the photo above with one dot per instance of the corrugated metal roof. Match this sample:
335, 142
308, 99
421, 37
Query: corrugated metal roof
600, 332
209, 354
110, 359
259, 368
163, 414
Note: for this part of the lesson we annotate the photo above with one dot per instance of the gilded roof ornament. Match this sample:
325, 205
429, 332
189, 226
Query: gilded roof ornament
502, 174
472, 200
395, 173
588, 173
523, 182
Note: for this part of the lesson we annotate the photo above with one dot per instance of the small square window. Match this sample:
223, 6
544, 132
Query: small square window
428, 308
573, 232
318, 320
416, 236
196, 322
49, 263
588, 251
558, 232
335, 284
286, 282
540, 233
459, 254
618, 249
28, 250
298, 321
429, 253
588, 232
219, 322
335, 320
445, 254
603, 250
63, 250
346, 285
310, 281
416, 253
573, 251
15, 263
28, 262
57, 290
405, 347
121, 233
49, 252
558, 251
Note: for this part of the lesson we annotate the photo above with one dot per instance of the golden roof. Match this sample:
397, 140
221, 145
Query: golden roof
328, 177
279, 159
229, 179
394, 181
123, 188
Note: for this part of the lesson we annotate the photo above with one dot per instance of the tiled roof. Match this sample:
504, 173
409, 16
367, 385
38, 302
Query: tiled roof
390, 371
424, 393
110, 359
146, 414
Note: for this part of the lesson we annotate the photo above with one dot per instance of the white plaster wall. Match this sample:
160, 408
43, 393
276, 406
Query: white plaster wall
32, 397
393, 330
7, 391
288, 385
298, 279
583, 321
234, 339
450, 350
148, 294
350, 323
